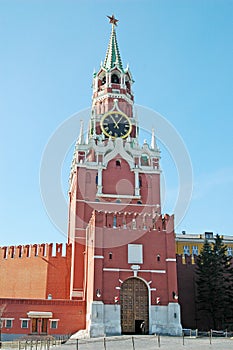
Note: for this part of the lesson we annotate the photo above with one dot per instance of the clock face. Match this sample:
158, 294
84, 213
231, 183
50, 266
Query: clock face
116, 124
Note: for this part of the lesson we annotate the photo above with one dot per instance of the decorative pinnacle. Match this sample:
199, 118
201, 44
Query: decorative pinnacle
81, 137
153, 141
113, 20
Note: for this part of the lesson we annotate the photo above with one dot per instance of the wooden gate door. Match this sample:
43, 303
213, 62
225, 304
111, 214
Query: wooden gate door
134, 306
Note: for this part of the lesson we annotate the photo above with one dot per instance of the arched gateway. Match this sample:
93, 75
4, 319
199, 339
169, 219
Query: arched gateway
134, 306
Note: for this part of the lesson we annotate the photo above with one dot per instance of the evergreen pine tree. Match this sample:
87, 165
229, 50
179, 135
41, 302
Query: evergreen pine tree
215, 284
224, 317
205, 282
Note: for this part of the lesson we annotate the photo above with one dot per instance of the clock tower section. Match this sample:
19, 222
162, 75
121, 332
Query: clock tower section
112, 91
123, 248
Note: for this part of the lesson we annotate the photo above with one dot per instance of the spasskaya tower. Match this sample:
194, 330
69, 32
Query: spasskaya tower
123, 248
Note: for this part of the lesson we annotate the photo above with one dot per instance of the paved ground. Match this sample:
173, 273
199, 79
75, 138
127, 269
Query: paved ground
149, 343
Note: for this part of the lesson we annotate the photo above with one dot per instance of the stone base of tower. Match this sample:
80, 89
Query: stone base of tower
105, 320
165, 320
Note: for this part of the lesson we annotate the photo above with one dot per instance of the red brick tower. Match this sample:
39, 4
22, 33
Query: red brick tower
123, 249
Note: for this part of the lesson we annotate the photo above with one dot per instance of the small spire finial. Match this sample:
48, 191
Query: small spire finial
81, 136
153, 141
113, 20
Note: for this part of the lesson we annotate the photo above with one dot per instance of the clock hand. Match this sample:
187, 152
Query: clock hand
115, 123
118, 122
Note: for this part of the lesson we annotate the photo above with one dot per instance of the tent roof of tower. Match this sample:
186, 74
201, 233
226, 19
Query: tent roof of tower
113, 58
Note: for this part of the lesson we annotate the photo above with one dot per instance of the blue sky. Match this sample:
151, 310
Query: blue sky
180, 53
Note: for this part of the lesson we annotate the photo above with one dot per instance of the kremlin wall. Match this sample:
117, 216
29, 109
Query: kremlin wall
34, 271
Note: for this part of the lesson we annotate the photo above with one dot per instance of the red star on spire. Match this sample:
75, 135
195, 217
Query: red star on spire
113, 20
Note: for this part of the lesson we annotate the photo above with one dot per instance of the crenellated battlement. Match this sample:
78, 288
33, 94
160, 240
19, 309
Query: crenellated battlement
39, 267
43, 250
184, 259
134, 221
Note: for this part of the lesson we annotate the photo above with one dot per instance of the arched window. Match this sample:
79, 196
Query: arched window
110, 256
140, 181
114, 79
128, 85
134, 224
118, 163
158, 257
145, 160
114, 221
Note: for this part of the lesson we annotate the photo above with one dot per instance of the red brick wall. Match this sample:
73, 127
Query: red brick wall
71, 315
58, 280
186, 292
33, 272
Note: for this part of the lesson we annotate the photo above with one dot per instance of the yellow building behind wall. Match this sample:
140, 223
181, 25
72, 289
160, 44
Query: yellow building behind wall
191, 244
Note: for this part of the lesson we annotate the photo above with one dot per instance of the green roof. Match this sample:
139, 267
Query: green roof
113, 58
